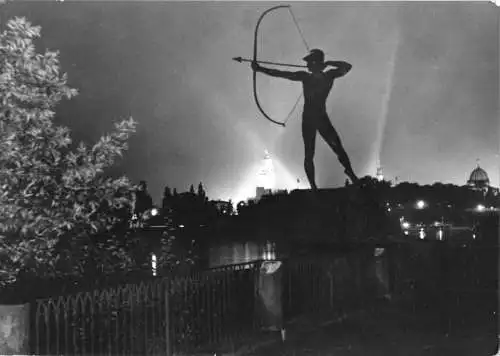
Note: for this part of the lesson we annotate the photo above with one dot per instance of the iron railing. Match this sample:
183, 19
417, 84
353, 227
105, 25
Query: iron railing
191, 313
330, 284
159, 316
123, 320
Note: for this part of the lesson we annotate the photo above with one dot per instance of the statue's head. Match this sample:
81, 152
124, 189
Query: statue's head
315, 60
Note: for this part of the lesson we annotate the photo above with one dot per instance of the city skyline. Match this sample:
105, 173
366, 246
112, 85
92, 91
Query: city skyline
421, 101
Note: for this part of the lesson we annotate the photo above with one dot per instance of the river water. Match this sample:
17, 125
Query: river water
234, 253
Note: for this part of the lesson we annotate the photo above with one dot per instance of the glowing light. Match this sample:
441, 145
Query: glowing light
474, 236
406, 232
284, 179
266, 175
405, 225
480, 207
380, 175
154, 212
153, 264
440, 235
421, 204
269, 253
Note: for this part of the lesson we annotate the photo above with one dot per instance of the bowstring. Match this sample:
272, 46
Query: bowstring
293, 109
307, 47
298, 28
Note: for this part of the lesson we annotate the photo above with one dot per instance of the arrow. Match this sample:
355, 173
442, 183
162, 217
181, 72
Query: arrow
239, 59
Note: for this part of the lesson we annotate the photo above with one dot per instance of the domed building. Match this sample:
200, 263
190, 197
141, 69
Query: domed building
479, 180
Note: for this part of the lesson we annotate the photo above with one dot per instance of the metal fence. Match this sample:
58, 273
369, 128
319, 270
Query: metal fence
198, 312
457, 282
113, 321
333, 283
160, 316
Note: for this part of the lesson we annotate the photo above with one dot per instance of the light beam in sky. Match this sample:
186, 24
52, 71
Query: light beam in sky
376, 160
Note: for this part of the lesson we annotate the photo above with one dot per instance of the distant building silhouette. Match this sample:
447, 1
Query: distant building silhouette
479, 180
223, 207
380, 175
266, 177
261, 191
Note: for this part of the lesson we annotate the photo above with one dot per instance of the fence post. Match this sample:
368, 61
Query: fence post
256, 322
330, 280
168, 349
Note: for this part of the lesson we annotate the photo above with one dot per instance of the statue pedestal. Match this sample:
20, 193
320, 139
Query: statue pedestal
270, 297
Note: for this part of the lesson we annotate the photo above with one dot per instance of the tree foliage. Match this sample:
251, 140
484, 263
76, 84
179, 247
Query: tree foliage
50, 188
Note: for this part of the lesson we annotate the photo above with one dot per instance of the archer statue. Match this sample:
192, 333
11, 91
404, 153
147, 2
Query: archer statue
317, 84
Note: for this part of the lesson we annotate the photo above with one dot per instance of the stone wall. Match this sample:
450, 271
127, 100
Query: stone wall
14, 329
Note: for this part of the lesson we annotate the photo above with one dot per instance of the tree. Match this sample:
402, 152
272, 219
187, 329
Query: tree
167, 197
167, 192
191, 189
143, 200
230, 208
201, 192
50, 189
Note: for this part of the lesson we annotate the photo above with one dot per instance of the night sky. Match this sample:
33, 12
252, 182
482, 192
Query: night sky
422, 97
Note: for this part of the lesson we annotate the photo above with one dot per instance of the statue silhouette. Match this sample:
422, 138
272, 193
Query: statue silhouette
317, 84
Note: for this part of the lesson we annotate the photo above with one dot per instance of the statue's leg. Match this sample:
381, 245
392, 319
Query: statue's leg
309, 138
331, 137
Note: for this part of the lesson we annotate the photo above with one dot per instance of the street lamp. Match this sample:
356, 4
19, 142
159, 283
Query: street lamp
421, 204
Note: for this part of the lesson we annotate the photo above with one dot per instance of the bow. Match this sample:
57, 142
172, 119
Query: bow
256, 60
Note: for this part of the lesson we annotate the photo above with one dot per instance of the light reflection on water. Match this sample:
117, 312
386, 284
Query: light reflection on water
236, 253
441, 234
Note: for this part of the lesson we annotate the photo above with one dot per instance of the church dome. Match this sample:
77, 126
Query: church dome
479, 177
